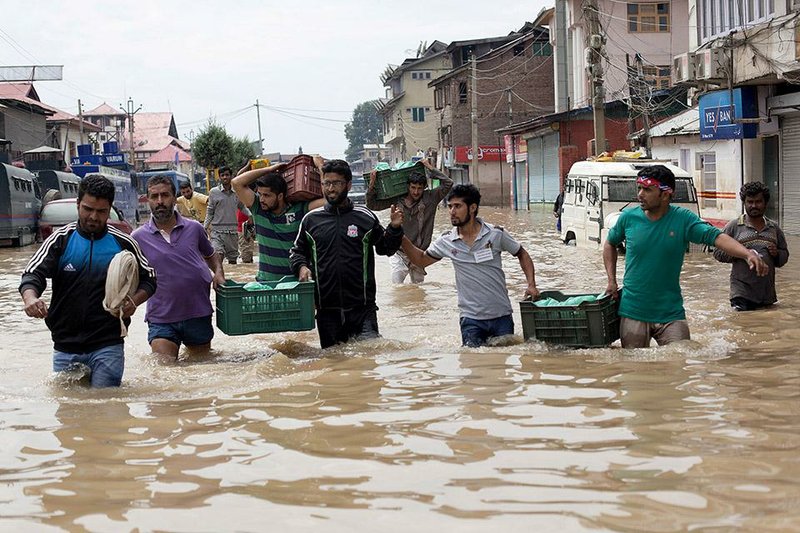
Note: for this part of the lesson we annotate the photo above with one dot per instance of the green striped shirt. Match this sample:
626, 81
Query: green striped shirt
275, 235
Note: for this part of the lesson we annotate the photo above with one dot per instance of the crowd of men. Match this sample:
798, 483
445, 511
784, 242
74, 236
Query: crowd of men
177, 257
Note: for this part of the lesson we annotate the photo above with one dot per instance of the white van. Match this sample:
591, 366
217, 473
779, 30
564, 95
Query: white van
595, 193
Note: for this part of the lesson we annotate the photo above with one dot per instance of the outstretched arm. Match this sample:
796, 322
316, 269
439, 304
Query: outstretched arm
734, 248
415, 255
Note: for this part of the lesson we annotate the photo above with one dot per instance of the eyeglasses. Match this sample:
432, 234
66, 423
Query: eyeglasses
333, 184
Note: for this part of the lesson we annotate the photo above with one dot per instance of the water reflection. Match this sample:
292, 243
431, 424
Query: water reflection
412, 429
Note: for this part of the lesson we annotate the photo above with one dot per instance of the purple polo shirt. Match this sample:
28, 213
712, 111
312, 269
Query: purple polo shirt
184, 279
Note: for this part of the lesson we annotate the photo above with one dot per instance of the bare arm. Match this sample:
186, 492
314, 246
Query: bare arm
214, 262
314, 204
526, 263
734, 248
415, 255
241, 183
610, 255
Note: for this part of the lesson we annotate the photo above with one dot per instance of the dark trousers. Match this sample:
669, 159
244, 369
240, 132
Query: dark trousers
743, 304
342, 325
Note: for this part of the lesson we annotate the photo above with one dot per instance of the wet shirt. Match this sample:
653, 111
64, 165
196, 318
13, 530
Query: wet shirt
480, 280
745, 283
193, 208
221, 213
275, 235
184, 279
418, 218
653, 260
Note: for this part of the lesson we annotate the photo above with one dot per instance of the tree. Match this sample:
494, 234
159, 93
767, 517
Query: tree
215, 147
366, 127
241, 153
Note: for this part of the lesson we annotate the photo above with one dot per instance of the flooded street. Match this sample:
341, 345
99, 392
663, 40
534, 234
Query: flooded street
412, 430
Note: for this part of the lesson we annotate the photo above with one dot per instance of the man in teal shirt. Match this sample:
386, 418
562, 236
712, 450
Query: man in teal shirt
656, 237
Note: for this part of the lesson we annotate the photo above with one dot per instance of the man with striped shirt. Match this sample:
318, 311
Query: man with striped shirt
276, 219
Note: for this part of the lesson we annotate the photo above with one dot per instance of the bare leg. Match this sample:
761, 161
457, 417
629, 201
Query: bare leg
167, 351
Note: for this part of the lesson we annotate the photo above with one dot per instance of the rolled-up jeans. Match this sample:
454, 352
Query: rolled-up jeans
107, 364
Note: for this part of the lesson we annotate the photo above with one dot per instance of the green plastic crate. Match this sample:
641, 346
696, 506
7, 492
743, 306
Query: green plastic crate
240, 312
394, 183
587, 325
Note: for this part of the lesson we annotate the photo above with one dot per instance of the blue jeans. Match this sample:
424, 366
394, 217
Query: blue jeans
107, 364
476, 332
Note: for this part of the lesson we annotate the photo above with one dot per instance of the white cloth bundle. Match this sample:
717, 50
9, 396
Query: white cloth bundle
121, 282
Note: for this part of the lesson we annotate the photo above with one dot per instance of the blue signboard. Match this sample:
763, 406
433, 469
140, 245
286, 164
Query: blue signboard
721, 113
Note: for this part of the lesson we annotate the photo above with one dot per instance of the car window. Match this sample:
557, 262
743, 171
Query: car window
114, 215
60, 213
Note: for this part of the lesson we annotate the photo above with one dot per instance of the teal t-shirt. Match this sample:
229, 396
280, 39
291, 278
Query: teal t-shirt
654, 257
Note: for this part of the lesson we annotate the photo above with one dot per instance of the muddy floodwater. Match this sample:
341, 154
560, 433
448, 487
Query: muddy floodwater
412, 432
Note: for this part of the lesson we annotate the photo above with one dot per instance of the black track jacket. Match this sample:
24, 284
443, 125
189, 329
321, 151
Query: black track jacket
336, 243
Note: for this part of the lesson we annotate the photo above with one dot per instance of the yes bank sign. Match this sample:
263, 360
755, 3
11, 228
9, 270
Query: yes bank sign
721, 114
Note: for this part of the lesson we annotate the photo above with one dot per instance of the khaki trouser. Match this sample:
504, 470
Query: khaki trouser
402, 267
636, 334
245, 247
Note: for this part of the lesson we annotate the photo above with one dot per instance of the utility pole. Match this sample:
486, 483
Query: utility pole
645, 103
513, 152
595, 49
474, 179
260, 138
80, 118
191, 151
130, 111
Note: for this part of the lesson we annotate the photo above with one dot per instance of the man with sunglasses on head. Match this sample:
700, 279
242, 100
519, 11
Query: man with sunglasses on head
336, 247
656, 237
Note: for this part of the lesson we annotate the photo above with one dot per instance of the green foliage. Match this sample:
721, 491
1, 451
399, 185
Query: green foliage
365, 128
243, 150
213, 147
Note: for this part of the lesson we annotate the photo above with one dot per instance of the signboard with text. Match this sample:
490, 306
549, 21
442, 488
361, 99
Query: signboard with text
722, 114
485, 154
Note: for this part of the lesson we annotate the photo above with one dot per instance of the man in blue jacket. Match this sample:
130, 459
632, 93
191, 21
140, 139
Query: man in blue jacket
76, 257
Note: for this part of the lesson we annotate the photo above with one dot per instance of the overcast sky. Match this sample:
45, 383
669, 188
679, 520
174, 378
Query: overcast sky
200, 59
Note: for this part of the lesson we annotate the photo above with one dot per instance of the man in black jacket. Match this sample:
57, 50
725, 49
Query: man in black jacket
334, 246
76, 257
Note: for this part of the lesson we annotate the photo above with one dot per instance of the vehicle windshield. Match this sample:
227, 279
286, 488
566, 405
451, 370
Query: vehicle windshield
358, 186
625, 189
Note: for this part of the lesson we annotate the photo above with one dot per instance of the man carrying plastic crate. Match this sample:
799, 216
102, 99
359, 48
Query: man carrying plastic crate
184, 259
334, 246
419, 211
475, 247
656, 237
276, 219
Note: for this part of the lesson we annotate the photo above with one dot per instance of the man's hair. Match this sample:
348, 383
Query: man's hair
338, 166
161, 180
418, 178
753, 189
223, 169
185, 184
467, 192
97, 186
660, 173
273, 181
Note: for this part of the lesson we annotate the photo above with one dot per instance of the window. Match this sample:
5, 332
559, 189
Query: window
542, 49
427, 75
418, 114
648, 17
718, 17
413, 75
16, 184
659, 77
462, 92
708, 175
466, 54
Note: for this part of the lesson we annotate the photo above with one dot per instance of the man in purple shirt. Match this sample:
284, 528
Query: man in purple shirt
178, 248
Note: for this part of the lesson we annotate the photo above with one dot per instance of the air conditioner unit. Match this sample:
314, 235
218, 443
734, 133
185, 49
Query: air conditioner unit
708, 64
683, 68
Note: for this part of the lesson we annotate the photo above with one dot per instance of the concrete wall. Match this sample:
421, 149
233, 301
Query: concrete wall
656, 48
729, 170
25, 129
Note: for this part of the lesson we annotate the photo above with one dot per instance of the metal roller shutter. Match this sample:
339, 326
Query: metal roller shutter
543, 176
790, 182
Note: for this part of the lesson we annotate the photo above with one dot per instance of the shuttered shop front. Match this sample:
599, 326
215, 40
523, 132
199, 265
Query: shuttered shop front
790, 183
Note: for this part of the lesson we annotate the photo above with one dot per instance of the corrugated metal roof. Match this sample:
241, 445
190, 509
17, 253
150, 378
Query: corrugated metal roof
686, 123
